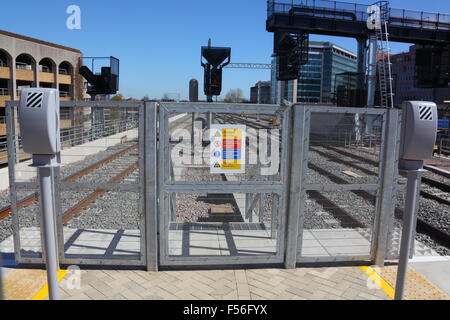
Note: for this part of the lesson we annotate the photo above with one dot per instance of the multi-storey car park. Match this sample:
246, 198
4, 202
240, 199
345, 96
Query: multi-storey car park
27, 62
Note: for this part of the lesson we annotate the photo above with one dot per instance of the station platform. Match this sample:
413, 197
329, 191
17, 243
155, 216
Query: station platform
334, 283
428, 277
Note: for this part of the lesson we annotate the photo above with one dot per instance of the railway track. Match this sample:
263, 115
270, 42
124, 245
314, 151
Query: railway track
75, 210
423, 225
6, 211
83, 204
425, 192
254, 124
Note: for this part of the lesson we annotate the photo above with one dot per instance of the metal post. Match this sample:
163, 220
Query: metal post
296, 189
385, 205
273, 219
261, 208
294, 91
280, 91
372, 71
49, 231
208, 120
361, 61
407, 231
1, 279
150, 186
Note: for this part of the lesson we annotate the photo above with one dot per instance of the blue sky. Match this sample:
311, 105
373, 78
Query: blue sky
158, 42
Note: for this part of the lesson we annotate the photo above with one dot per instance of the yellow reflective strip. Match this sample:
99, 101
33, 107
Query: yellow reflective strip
376, 278
43, 293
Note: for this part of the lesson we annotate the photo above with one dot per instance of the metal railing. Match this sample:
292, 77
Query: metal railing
105, 124
45, 69
3, 148
64, 94
77, 134
358, 12
4, 91
63, 71
65, 115
444, 146
3, 63
24, 66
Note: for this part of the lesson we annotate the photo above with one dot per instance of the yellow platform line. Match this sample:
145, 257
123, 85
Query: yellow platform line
43, 293
377, 279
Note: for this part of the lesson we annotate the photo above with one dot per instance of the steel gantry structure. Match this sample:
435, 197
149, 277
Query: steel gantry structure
373, 26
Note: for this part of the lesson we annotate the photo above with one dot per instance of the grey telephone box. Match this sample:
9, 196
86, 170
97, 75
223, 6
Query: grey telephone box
40, 132
40, 125
419, 132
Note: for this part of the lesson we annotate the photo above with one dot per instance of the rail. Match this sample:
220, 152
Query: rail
358, 12
4, 92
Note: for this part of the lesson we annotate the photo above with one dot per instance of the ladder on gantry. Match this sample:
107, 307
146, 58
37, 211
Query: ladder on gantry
384, 58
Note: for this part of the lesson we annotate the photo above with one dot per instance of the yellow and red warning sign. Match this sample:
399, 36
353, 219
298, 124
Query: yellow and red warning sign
228, 148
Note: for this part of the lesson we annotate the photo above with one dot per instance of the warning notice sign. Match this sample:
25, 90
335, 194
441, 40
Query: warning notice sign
227, 148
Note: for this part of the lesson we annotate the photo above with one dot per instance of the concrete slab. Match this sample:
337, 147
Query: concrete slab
211, 241
437, 272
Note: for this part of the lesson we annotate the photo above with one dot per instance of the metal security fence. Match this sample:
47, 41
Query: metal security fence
345, 170
229, 218
317, 185
99, 189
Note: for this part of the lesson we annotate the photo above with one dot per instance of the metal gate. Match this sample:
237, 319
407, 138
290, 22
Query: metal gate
137, 188
99, 189
228, 218
344, 178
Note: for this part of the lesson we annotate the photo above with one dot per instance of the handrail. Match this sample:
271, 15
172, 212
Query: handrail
24, 66
410, 18
63, 71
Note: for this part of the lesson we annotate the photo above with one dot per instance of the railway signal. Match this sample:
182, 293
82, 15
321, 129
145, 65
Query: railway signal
432, 67
104, 82
291, 50
216, 58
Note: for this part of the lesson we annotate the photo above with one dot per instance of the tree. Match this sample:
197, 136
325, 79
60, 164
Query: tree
145, 98
117, 97
234, 96
165, 97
